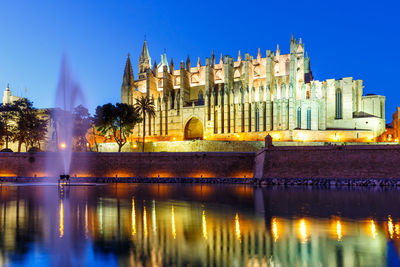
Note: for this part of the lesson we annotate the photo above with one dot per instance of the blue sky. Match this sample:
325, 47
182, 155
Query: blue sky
343, 38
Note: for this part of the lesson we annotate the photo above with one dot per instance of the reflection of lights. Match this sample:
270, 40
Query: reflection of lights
154, 217
397, 229
204, 223
133, 219
237, 224
144, 221
390, 227
373, 229
86, 222
173, 223
302, 137
63, 145
339, 230
275, 229
61, 219
303, 230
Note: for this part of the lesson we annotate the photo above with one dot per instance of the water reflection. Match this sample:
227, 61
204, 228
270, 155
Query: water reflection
163, 225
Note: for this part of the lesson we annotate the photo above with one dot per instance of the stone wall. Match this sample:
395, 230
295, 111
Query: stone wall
163, 165
329, 162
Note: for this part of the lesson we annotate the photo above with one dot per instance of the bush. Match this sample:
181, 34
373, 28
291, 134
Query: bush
6, 150
34, 149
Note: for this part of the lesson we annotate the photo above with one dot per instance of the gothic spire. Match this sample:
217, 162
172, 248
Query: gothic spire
198, 62
221, 60
155, 68
239, 59
278, 52
171, 66
145, 59
212, 58
188, 63
259, 54
128, 73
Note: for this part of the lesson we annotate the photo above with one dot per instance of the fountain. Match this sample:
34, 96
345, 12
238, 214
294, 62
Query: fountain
68, 96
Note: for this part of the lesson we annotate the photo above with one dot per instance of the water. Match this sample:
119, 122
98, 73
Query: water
68, 96
197, 225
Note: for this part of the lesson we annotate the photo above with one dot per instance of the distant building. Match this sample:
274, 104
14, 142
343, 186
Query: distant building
8, 98
246, 98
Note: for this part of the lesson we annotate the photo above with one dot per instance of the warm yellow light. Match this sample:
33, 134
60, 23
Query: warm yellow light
134, 146
144, 221
339, 230
237, 227
174, 138
302, 137
371, 138
204, 223
63, 145
61, 219
303, 230
390, 227
336, 137
133, 217
397, 229
275, 229
373, 229
237, 136
154, 217
173, 222
205, 137
396, 140
86, 222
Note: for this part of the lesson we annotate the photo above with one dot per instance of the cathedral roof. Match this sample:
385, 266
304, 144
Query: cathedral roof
128, 73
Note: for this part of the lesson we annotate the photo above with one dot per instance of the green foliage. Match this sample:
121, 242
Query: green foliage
144, 105
117, 121
82, 123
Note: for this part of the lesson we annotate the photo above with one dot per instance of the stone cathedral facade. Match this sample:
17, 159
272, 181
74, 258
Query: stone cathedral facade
246, 98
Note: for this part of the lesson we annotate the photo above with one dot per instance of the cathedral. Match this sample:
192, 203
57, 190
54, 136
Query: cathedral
247, 98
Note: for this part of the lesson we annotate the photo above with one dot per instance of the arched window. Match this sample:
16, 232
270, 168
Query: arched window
299, 117
201, 98
309, 118
338, 104
257, 120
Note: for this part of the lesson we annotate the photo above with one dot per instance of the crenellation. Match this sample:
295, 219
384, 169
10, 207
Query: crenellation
249, 95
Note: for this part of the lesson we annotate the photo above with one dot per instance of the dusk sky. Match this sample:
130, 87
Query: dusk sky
342, 38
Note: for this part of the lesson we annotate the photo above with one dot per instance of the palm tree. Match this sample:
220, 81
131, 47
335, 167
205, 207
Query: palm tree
145, 105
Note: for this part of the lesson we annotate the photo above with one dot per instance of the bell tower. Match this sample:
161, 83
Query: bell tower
144, 61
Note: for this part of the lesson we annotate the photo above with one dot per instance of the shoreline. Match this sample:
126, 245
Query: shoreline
286, 182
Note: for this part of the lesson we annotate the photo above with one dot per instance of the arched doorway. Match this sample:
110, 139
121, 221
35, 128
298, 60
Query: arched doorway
193, 129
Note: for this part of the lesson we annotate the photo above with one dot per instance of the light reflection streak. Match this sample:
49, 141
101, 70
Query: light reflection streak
154, 217
303, 230
61, 219
373, 229
390, 227
204, 223
275, 229
173, 222
237, 227
339, 230
133, 219
144, 221
86, 222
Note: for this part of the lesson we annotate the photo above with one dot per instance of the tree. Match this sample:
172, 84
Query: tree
7, 116
119, 120
82, 123
145, 105
29, 128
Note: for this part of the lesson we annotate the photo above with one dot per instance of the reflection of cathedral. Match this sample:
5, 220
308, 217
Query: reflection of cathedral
243, 99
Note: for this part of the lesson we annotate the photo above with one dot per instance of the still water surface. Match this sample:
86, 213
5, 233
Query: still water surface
197, 225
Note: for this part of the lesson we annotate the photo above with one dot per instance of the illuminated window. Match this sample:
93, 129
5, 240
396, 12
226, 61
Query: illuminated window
338, 104
299, 117
309, 118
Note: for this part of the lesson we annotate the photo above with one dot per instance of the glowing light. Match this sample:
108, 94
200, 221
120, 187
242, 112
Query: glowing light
61, 219
135, 146
237, 136
173, 223
396, 140
205, 137
390, 227
63, 145
204, 223
86, 222
397, 229
174, 138
237, 227
336, 137
373, 229
154, 217
371, 138
275, 229
303, 230
144, 221
339, 230
302, 137
133, 217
